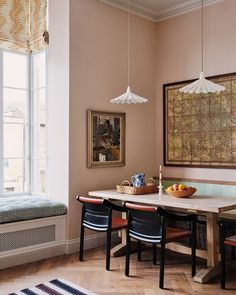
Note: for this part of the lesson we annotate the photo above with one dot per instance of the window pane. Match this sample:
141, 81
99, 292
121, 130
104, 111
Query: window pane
14, 140
15, 105
40, 105
14, 175
39, 70
15, 73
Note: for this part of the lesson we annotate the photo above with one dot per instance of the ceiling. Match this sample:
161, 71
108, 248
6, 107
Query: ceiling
157, 10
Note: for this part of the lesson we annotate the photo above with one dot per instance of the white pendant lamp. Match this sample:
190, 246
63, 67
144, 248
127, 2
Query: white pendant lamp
202, 85
129, 97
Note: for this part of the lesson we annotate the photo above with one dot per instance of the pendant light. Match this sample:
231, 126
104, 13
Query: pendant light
129, 97
202, 85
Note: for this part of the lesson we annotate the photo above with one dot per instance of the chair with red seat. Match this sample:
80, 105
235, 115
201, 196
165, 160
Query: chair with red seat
148, 224
226, 224
97, 216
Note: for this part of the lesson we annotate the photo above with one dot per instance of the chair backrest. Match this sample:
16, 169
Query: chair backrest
144, 222
96, 213
227, 231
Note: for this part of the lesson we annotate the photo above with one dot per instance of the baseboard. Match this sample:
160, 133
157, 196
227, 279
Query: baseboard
30, 254
90, 242
38, 252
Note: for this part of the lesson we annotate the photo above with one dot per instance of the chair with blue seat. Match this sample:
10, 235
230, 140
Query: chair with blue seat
97, 216
147, 224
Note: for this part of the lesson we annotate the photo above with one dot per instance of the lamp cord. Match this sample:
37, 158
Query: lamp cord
128, 42
202, 38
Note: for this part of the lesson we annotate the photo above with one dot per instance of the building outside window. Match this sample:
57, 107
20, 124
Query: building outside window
22, 123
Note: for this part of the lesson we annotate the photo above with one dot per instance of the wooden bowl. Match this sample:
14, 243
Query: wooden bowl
182, 194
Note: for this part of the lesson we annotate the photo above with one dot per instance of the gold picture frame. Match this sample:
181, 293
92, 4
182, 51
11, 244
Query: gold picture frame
105, 139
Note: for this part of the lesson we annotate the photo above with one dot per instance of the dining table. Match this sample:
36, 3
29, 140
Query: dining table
207, 206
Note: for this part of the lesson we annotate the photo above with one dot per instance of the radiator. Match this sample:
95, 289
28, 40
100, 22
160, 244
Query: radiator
28, 237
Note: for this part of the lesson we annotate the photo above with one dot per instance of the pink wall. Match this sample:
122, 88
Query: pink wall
98, 73
94, 63
178, 57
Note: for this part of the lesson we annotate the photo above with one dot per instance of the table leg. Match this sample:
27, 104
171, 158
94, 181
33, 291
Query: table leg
212, 270
120, 249
212, 240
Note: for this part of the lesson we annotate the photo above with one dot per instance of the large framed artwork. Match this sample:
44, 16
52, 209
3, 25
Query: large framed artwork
200, 129
106, 139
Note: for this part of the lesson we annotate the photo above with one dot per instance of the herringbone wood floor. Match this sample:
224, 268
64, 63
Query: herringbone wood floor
91, 274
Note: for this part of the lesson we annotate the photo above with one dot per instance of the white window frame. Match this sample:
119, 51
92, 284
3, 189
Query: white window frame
30, 160
1, 123
34, 166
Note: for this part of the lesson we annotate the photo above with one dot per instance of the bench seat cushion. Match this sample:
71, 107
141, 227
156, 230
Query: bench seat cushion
20, 208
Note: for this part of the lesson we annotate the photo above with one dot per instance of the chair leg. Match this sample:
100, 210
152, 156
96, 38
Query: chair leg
223, 267
139, 251
81, 250
154, 257
108, 249
233, 248
162, 265
127, 256
193, 249
233, 253
222, 255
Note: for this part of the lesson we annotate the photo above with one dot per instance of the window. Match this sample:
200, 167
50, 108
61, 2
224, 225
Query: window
38, 95
22, 122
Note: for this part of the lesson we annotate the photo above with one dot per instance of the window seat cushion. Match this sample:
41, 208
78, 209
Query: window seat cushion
21, 208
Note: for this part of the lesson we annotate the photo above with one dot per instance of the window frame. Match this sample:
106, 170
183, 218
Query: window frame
30, 137
1, 123
33, 158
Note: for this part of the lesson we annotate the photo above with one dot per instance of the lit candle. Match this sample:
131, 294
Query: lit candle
160, 175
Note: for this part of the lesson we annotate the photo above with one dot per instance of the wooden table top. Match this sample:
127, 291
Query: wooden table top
212, 204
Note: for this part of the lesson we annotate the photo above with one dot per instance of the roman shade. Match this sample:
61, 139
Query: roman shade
23, 25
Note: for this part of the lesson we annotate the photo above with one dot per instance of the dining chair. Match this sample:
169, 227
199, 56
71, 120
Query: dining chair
97, 216
148, 224
224, 226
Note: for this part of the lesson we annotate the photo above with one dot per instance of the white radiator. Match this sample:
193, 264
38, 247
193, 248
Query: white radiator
30, 240
27, 237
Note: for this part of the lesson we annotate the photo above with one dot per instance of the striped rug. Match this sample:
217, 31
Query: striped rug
54, 287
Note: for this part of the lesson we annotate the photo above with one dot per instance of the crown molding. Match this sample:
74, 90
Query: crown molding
157, 16
135, 9
183, 8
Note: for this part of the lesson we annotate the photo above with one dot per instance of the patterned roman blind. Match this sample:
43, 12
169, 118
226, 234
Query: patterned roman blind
23, 25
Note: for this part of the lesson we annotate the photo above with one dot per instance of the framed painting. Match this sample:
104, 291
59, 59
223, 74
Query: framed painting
200, 129
105, 139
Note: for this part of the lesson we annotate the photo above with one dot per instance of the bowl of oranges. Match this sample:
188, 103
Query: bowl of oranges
180, 190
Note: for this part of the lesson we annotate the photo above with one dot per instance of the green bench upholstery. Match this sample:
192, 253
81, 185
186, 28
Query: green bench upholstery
21, 208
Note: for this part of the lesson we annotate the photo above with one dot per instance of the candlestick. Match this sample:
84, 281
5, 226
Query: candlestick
160, 187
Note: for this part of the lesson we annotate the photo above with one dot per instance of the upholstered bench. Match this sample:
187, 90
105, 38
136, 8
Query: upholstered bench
31, 228
21, 208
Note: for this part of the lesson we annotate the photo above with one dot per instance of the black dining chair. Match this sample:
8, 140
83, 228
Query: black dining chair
226, 225
97, 216
148, 224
